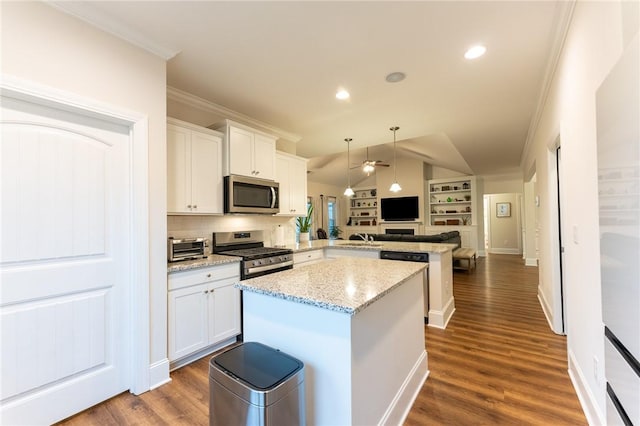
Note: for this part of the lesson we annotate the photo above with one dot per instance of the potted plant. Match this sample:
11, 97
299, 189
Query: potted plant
304, 224
335, 232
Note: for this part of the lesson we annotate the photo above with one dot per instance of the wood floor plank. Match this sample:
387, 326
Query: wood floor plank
496, 363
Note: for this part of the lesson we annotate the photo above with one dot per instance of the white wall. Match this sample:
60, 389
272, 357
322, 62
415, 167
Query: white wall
500, 184
204, 226
45, 46
504, 232
593, 44
315, 189
410, 178
529, 245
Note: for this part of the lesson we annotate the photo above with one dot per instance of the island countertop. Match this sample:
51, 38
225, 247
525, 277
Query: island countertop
373, 246
346, 285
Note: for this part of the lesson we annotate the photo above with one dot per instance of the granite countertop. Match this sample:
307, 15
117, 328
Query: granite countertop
211, 260
345, 285
375, 246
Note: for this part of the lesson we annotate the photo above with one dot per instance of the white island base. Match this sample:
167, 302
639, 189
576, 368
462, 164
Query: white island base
360, 369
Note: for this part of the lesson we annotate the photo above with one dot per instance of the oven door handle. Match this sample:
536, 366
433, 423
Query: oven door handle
268, 267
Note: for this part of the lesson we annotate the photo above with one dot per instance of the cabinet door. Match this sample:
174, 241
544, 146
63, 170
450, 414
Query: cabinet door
283, 178
264, 157
178, 170
188, 320
206, 173
224, 311
240, 152
298, 186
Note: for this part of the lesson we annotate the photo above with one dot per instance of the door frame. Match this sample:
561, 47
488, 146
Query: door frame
138, 267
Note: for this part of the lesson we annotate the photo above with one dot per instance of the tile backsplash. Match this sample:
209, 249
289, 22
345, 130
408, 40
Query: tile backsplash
203, 226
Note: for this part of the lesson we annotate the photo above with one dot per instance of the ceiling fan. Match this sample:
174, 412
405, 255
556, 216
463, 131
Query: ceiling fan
369, 166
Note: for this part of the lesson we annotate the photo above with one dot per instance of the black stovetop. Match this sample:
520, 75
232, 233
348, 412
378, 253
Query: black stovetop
256, 252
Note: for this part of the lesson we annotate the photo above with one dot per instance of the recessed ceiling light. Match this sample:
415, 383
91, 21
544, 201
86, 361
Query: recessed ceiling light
342, 94
395, 77
475, 52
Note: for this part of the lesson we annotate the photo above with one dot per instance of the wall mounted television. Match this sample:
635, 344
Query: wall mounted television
399, 208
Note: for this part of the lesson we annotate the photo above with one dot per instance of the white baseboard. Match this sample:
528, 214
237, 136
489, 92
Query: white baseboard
481, 253
401, 404
440, 319
505, 251
159, 373
545, 308
585, 396
531, 261
548, 312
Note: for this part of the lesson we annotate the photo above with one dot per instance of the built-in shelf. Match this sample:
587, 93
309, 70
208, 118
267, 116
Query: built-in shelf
451, 201
364, 200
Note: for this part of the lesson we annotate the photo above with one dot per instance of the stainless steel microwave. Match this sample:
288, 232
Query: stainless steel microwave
244, 194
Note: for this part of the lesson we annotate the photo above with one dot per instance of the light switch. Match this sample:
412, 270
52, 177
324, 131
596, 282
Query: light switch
575, 234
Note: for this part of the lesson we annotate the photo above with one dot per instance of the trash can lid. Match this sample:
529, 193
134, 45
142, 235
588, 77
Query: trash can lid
259, 365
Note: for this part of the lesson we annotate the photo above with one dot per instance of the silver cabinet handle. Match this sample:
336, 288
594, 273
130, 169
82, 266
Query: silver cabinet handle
208, 275
188, 206
195, 206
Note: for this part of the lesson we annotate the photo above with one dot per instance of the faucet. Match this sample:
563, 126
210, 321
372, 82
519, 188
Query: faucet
366, 238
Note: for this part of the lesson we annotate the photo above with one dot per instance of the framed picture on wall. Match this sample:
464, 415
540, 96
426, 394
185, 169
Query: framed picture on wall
503, 209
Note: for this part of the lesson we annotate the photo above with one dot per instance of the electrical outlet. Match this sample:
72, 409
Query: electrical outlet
596, 368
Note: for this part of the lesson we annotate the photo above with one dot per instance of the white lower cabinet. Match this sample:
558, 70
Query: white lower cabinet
307, 258
204, 309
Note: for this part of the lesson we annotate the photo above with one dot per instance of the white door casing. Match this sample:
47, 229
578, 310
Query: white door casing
66, 258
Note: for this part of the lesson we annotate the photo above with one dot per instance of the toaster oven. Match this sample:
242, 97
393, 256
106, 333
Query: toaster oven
185, 249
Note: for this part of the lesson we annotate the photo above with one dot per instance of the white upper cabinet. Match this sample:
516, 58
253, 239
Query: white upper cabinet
194, 169
291, 173
247, 152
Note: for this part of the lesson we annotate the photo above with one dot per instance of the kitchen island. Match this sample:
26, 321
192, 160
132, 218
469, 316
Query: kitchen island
439, 301
357, 324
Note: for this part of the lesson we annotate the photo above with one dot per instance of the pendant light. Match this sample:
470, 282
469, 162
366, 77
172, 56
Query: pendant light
348, 192
395, 186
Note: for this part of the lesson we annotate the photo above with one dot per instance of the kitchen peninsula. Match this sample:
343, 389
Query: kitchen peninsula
357, 324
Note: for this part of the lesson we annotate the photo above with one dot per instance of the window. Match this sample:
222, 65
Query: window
332, 217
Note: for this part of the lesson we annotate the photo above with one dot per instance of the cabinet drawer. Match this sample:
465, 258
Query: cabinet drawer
202, 275
307, 256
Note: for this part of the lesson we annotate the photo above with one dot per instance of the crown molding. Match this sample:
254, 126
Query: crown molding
563, 22
208, 106
93, 15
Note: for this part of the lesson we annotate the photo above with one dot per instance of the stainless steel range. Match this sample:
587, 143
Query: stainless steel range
257, 259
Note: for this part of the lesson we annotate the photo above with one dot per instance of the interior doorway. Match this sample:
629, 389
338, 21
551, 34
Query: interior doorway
560, 259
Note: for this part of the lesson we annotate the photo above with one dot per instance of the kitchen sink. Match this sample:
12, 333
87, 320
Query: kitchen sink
360, 244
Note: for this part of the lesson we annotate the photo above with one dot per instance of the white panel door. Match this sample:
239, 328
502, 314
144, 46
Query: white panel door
178, 169
240, 152
224, 311
188, 320
206, 173
264, 157
282, 177
298, 189
64, 262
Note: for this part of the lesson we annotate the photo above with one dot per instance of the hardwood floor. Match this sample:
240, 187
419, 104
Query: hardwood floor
496, 363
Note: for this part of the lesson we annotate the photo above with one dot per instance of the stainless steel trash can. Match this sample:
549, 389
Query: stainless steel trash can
254, 384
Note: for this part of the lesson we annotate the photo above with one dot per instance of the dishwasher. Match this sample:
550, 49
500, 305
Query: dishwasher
405, 256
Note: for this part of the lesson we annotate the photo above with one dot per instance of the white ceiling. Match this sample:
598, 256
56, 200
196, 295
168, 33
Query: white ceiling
282, 63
